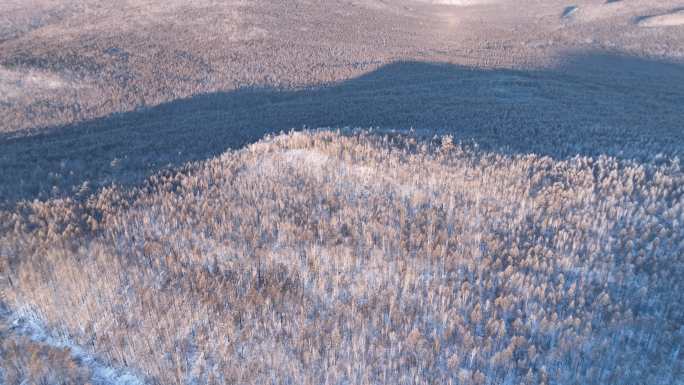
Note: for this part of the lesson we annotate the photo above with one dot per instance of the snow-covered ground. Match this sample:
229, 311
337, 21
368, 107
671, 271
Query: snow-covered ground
143, 53
45, 355
527, 228
533, 76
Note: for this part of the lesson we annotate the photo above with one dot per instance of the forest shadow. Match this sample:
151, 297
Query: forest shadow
592, 104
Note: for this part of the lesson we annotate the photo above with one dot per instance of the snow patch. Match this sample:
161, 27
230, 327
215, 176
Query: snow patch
25, 322
308, 157
14, 84
671, 19
460, 2
568, 12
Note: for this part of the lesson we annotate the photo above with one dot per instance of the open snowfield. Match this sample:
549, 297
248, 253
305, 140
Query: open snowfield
476, 192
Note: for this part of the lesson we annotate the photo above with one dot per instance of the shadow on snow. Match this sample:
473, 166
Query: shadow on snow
592, 104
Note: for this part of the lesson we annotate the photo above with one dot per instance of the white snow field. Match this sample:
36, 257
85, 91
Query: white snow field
341, 192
